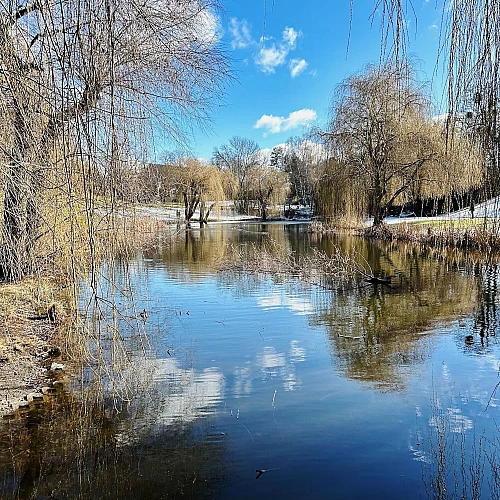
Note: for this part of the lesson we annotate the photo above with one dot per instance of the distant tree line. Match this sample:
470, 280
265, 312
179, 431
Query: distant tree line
381, 151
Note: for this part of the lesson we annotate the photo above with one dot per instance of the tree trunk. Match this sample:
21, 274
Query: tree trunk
263, 210
14, 224
378, 208
20, 217
204, 214
378, 214
190, 205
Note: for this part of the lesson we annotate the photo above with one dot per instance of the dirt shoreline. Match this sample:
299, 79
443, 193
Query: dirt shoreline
30, 359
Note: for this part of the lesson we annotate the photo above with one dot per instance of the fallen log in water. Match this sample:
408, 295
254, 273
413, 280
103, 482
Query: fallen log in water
375, 280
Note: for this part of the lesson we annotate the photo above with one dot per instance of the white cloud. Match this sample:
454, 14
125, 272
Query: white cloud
276, 124
290, 37
240, 32
297, 66
208, 27
271, 53
270, 122
298, 118
268, 58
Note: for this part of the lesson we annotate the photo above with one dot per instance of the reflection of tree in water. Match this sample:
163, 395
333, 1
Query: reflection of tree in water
485, 313
70, 450
376, 331
196, 253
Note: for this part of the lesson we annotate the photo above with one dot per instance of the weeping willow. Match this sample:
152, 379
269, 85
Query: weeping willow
470, 34
83, 84
336, 194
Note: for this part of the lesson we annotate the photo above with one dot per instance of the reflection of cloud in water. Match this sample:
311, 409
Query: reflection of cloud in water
243, 384
419, 455
186, 394
271, 361
290, 383
297, 354
299, 306
166, 394
456, 421
276, 364
445, 372
416, 448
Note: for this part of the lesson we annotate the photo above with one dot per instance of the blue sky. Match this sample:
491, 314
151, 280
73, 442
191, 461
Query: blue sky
289, 55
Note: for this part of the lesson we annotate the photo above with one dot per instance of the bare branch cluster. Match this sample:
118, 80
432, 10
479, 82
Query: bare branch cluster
82, 84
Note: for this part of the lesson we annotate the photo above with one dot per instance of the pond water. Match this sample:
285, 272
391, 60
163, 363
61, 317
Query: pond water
249, 385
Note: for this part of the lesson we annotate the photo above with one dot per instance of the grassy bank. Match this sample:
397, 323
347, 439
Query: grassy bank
465, 234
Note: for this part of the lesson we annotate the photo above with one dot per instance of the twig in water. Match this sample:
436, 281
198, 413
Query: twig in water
249, 433
261, 471
492, 395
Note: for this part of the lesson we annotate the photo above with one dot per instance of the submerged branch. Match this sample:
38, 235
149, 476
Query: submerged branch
340, 268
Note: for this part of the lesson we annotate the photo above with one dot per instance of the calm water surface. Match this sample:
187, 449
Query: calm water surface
334, 392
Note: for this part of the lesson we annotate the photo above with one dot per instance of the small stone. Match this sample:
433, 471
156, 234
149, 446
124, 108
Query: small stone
35, 396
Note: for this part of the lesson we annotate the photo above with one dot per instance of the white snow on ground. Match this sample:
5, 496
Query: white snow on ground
177, 214
490, 208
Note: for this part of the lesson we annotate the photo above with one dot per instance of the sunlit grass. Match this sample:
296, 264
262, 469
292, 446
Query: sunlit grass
443, 224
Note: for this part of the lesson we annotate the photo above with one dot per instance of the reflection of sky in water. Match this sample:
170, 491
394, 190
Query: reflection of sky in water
189, 393
168, 395
267, 364
271, 365
297, 305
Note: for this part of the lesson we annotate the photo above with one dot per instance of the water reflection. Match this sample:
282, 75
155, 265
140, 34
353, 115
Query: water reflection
73, 449
170, 396
233, 372
297, 305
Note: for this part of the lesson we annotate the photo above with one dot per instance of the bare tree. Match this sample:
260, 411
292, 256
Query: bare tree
78, 82
267, 187
239, 156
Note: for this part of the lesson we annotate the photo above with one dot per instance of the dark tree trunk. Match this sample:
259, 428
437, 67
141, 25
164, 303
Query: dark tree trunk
377, 206
204, 214
191, 202
20, 219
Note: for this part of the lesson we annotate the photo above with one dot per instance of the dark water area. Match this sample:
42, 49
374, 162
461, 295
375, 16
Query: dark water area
248, 385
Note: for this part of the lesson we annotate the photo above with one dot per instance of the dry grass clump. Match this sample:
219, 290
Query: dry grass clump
127, 234
334, 225
32, 298
269, 257
472, 238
